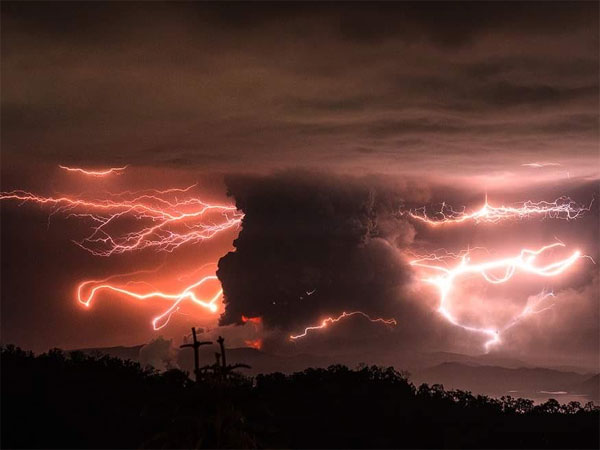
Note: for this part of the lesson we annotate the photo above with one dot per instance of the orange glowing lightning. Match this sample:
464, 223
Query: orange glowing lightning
158, 220
161, 220
330, 320
95, 173
525, 262
561, 208
163, 319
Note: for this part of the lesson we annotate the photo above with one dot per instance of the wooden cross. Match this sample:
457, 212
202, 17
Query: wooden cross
195, 345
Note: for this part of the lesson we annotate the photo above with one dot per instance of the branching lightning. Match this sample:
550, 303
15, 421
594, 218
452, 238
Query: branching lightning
157, 220
561, 208
85, 295
535, 305
525, 262
540, 165
95, 173
164, 220
330, 320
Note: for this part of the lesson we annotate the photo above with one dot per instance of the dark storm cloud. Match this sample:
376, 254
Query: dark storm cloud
260, 86
343, 239
314, 246
431, 89
443, 22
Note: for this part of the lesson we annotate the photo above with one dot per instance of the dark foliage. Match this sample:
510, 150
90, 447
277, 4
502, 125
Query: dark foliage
59, 400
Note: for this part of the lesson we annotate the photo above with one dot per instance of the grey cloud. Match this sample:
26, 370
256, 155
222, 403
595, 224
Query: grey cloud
249, 87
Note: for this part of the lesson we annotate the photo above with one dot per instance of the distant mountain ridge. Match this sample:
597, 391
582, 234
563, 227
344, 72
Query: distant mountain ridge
435, 358
591, 387
131, 353
497, 381
483, 374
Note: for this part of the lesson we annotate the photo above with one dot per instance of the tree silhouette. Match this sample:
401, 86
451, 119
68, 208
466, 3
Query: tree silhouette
94, 401
220, 369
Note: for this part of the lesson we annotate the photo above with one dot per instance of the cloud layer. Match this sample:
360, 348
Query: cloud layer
447, 88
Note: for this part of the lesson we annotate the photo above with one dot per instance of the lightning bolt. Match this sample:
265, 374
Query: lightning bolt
540, 165
159, 219
524, 262
95, 173
330, 320
561, 208
85, 296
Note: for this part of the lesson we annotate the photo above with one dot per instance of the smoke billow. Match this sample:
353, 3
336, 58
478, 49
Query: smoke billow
313, 246
159, 353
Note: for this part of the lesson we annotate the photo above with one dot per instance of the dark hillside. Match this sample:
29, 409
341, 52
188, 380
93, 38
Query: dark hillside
59, 400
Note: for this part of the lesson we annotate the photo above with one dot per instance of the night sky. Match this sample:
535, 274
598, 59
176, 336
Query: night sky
324, 124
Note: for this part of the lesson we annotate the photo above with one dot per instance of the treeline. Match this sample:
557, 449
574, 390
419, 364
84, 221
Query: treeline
74, 400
